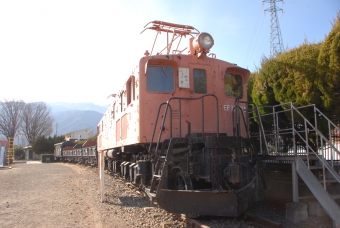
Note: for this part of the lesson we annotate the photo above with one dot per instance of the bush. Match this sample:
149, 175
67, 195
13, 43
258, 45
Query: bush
44, 156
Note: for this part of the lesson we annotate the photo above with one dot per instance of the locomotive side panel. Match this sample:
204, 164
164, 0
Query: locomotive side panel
106, 129
120, 124
129, 121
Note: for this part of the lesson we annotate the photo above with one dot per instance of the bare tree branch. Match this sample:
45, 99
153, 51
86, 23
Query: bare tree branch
36, 121
10, 119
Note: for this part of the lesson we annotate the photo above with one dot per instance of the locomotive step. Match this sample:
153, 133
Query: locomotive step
335, 197
329, 181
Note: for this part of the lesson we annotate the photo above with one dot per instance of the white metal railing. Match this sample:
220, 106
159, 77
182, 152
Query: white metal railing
287, 132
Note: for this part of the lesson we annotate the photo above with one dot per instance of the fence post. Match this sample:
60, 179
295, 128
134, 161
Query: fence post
101, 175
295, 183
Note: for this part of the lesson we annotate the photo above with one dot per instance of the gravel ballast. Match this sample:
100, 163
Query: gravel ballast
66, 195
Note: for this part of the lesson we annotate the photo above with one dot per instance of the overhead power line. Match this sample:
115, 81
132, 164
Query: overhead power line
254, 37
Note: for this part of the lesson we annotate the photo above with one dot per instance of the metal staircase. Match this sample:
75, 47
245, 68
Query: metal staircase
311, 141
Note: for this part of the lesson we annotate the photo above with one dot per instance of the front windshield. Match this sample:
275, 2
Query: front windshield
233, 85
160, 79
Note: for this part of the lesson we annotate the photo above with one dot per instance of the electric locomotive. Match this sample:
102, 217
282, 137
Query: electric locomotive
178, 128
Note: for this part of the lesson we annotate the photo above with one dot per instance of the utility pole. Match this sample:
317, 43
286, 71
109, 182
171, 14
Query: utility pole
276, 43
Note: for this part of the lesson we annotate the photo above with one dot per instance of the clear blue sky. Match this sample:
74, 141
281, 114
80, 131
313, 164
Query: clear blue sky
80, 51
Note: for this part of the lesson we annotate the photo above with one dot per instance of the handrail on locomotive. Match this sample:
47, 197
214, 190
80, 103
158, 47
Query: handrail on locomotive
253, 113
180, 118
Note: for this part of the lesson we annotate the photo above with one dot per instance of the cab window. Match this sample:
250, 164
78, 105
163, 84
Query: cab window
233, 85
200, 81
122, 101
160, 79
130, 90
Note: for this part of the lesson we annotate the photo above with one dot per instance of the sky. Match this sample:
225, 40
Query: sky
83, 50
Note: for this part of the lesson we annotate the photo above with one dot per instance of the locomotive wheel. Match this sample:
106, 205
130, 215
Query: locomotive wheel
181, 182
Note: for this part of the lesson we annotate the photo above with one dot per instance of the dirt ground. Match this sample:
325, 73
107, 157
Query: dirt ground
62, 195
53, 195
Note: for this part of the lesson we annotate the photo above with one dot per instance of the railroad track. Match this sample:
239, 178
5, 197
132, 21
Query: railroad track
207, 221
250, 220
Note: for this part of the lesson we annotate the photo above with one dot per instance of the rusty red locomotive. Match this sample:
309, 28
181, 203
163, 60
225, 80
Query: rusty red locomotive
177, 130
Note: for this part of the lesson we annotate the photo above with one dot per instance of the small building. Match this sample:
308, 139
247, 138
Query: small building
82, 134
30, 154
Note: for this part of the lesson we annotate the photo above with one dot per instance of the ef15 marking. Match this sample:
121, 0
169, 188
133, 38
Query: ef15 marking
231, 107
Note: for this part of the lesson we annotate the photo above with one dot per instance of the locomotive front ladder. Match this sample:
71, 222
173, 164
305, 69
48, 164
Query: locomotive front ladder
159, 173
161, 157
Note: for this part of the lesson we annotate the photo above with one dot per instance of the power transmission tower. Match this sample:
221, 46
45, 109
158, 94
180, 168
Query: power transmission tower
276, 43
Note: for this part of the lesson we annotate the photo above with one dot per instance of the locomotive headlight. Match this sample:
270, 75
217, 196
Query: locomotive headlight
203, 42
206, 40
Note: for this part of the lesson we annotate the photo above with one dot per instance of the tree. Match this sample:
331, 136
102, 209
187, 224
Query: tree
36, 121
329, 69
262, 91
19, 153
290, 77
308, 74
45, 145
10, 116
81, 142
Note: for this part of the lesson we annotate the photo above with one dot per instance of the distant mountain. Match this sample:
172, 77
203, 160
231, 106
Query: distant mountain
75, 116
71, 117
73, 120
62, 106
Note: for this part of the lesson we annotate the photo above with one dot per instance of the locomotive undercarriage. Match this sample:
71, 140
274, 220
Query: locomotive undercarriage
206, 175
199, 174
